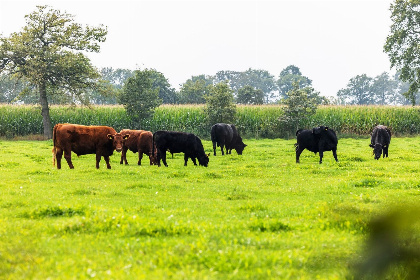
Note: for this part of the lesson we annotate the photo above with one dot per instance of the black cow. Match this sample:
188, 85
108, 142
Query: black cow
179, 142
379, 141
319, 139
226, 135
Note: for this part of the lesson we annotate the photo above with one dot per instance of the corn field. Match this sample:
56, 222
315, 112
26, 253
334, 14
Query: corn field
260, 121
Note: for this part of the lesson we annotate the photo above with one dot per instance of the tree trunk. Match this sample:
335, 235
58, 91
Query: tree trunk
46, 119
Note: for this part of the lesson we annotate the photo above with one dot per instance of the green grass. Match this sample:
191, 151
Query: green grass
258, 216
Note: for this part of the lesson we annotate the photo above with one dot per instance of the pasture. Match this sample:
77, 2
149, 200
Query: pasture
255, 216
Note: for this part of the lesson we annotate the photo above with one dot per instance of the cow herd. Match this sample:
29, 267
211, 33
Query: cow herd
104, 140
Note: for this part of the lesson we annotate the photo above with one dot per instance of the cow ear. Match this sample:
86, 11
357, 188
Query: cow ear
208, 155
326, 128
110, 137
125, 137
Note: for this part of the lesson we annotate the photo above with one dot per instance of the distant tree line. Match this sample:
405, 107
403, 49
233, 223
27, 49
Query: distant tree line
248, 87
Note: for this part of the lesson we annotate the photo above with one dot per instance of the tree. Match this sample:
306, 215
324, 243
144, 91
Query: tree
219, 104
358, 91
403, 43
193, 91
258, 79
300, 105
166, 93
384, 89
139, 97
288, 76
48, 54
11, 89
250, 95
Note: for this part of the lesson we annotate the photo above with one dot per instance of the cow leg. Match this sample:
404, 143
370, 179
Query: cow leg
185, 159
124, 156
298, 152
335, 155
163, 155
194, 161
214, 148
385, 152
67, 156
222, 146
106, 158
321, 155
58, 155
98, 159
140, 157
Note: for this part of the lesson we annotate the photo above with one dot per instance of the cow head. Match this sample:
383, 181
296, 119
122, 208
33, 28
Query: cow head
377, 151
118, 140
240, 147
204, 160
319, 130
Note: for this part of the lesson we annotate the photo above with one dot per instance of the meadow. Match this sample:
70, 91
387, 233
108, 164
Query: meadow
255, 216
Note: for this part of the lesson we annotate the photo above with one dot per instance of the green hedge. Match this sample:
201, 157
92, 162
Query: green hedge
252, 121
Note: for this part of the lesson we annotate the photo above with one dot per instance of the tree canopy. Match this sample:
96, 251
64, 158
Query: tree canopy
47, 53
140, 97
288, 76
219, 104
403, 43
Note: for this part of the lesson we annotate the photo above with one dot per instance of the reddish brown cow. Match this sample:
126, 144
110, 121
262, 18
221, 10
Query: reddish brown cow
140, 141
82, 140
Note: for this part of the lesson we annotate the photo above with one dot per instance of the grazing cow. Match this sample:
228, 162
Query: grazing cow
140, 141
82, 140
379, 141
179, 142
226, 135
319, 139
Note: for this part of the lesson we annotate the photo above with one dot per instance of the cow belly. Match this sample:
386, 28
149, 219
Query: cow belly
83, 150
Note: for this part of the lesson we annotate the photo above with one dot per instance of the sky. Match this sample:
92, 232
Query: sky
331, 41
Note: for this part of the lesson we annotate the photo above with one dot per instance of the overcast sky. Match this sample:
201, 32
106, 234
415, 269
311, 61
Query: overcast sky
331, 41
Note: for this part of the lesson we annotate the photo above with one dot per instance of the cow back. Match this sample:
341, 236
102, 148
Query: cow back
380, 135
132, 141
84, 139
222, 133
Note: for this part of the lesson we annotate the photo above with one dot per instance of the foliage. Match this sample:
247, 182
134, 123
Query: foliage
384, 90
165, 93
219, 104
48, 54
380, 90
256, 78
358, 91
288, 76
193, 91
301, 104
250, 95
262, 121
255, 216
140, 97
402, 44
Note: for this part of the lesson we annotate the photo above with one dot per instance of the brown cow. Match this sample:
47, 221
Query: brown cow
82, 140
140, 141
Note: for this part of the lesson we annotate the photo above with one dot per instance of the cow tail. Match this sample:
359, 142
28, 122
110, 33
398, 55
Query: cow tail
54, 150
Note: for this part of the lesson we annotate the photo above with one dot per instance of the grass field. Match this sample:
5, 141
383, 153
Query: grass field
255, 216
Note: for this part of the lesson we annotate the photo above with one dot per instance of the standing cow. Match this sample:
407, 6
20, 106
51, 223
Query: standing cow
140, 141
82, 140
179, 142
319, 139
379, 141
226, 135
